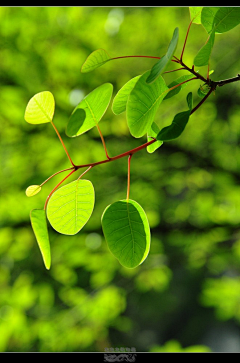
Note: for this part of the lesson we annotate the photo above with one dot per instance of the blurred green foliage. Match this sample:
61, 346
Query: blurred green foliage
186, 295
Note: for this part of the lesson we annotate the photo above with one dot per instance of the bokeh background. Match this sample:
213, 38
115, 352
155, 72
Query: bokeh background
186, 295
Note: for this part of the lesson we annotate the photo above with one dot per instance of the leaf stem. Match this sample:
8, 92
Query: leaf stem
90, 167
58, 172
184, 45
128, 182
45, 206
59, 136
203, 100
103, 142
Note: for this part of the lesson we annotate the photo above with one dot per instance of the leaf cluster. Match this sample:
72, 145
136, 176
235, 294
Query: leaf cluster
125, 225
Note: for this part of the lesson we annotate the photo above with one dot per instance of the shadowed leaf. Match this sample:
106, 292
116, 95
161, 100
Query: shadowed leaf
126, 229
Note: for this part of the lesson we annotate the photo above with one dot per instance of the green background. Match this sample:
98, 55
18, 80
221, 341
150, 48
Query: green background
186, 295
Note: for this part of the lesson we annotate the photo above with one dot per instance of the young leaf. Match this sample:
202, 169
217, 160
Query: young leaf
71, 206
220, 19
202, 58
178, 124
160, 66
94, 105
39, 225
40, 108
176, 90
32, 190
153, 132
126, 229
202, 91
94, 60
120, 100
143, 103
195, 14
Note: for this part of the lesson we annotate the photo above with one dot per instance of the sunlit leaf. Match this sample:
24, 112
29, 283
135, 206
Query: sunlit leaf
90, 110
39, 225
143, 103
126, 229
120, 100
203, 56
220, 19
178, 124
32, 190
94, 60
195, 14
40, 108
152, 133
71, 206
160, 66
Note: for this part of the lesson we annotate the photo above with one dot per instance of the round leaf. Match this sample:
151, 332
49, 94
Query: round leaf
32, 190
40, 108
126, 229
71, 206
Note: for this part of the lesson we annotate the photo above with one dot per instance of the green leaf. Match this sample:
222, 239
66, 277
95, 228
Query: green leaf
153, 132
39, 225
143, 103
202, 91
203, 56
126, 229
220, 19
207, 17
71, 206
161, 65
178, 124
32, 190
195, 14
176, 90
94, 106
120, 100
190, 100
40, 108
94, 60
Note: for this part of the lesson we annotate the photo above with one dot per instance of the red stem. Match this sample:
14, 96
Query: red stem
184, 45
128, 183
58, 172
59, 136
45, 206
103, 142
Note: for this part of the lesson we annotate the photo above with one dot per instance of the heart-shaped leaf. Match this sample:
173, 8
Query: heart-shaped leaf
90, 110
143, 103
39, 225
71, 206
40, 108
94, 60
126, 229
161, 65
